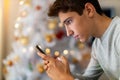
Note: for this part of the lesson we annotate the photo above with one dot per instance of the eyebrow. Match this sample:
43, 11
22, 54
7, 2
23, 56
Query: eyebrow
66, 20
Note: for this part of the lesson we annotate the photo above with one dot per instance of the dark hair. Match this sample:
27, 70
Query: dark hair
72, 5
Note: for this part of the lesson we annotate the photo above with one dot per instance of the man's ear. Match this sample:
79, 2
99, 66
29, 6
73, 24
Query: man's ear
90, 10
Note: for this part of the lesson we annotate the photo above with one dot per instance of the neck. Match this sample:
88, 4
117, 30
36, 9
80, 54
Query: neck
101, 24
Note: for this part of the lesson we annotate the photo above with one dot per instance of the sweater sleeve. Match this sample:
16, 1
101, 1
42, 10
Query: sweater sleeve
117, 44
93, 71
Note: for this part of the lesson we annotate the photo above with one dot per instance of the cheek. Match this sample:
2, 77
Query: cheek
79, 28
82, 30
76, 29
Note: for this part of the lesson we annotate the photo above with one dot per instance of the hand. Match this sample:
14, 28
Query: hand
56, 69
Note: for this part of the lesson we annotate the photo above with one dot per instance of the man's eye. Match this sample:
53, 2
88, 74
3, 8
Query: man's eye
68, 22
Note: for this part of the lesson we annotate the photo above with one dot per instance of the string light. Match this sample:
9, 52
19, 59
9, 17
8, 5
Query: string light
24, 13
19, 18
17, 25
47, 51
60, 25
24, 40
65, 52
52, 24
21, 2
31, 49
24, 50
57, 53
27, 2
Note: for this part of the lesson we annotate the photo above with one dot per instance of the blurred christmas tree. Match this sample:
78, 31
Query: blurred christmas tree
33, 27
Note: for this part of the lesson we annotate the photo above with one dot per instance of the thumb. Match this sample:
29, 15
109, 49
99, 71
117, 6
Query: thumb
64, 60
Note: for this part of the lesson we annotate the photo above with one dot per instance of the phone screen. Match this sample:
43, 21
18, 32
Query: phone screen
39, 48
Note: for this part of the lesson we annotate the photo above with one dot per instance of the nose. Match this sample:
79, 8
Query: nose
69, 31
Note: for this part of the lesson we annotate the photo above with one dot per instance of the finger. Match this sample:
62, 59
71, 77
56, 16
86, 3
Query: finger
64, 60
46, 62
43, 56
46, 67
48, 70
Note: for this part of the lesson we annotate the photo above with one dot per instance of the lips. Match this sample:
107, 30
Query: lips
76, 37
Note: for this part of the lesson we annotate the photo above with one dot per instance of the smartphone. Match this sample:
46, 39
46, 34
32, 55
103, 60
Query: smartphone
39, 48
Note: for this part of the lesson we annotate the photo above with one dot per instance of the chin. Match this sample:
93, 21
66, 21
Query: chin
83, 40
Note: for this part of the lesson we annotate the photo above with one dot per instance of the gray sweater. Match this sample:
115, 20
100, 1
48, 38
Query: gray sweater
105, 55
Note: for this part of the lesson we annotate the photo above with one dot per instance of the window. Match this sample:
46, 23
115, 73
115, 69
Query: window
0, 39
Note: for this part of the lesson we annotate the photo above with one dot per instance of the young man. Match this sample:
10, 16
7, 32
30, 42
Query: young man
82, 19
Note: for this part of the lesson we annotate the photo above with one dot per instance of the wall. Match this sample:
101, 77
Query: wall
10, 15
10, 10
0, 39
111, 4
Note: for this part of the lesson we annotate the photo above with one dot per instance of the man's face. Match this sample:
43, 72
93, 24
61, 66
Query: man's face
77, 26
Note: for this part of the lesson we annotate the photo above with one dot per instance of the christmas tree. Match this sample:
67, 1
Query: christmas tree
33, 27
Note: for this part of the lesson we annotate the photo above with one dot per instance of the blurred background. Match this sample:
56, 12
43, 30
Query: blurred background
24, 24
